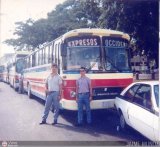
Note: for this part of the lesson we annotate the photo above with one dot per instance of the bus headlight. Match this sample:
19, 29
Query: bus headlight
72, 94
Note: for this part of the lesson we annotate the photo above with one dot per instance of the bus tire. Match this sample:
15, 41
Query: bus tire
29, 93
20, 90
14, 87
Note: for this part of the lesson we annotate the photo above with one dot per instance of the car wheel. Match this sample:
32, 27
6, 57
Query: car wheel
122, 121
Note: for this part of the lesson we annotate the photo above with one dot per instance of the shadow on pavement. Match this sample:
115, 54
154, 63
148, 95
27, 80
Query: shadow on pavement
103, 122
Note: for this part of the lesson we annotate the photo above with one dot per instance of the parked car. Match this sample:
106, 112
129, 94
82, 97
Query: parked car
138, 107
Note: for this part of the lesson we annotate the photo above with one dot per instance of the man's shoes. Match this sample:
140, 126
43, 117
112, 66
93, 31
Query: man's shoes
43, 122
55, 122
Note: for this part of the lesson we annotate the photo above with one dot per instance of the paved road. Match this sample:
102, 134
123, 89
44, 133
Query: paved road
20, 117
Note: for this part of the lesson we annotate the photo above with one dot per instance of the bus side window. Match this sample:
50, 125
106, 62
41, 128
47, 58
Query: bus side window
46, 54
59, 53
56, 53
50, 54
43, 57
39, 57
33, 60
30, 61
53, 53
36, 55
59, 45
25, 62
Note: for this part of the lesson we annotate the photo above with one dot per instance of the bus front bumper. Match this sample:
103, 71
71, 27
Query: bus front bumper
95, 104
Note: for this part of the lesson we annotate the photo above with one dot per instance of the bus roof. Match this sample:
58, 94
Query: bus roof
22, 52
96, 31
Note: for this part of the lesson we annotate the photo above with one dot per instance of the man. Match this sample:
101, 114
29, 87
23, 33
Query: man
84, 96
53, 92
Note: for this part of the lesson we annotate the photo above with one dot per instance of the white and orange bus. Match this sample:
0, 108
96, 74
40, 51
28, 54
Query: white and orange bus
5, 75
103, 52
1, 72
15, 68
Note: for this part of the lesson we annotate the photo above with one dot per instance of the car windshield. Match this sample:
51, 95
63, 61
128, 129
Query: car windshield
156, 93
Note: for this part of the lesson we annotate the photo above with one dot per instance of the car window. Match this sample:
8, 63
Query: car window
156, 93
131, 93
143, 96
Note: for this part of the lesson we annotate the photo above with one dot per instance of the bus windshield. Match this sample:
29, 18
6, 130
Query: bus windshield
20, 65
82, 51
83, 56
1, 69
116, 54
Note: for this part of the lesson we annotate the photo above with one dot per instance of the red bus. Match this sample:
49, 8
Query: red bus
105, 54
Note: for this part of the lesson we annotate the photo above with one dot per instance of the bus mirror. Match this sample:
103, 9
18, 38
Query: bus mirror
63, 50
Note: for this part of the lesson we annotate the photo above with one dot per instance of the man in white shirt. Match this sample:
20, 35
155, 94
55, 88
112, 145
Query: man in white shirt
53, 91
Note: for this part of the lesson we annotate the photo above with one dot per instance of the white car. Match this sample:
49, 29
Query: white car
138, 107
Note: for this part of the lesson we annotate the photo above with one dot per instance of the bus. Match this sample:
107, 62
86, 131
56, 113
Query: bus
15, 68
104, 53
1, 72
5, 75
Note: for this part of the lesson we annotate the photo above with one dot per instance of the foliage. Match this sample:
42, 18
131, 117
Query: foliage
138, 18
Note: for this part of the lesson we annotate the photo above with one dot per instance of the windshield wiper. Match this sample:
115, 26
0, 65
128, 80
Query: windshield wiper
111, 61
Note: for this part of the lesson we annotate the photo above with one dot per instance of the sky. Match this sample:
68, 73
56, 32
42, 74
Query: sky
12, 11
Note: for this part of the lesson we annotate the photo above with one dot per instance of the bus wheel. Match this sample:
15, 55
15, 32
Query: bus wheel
14, 87
20, 90
29, 92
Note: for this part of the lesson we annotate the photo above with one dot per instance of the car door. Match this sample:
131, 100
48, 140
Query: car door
156, 126
128, 97
140, 112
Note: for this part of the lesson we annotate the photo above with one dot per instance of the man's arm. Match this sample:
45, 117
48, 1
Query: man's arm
60, 87
46, 87
90, 89
77, 91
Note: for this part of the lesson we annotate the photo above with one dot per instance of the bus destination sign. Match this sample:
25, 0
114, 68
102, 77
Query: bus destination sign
83, 41
114, 42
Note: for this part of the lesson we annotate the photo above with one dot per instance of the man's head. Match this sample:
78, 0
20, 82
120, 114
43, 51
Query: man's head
82, 71
54, 68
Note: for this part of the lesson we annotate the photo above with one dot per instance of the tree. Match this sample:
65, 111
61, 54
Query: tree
138, 18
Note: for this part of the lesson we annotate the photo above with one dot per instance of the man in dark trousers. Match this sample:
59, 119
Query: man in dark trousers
84, 96
53, 91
